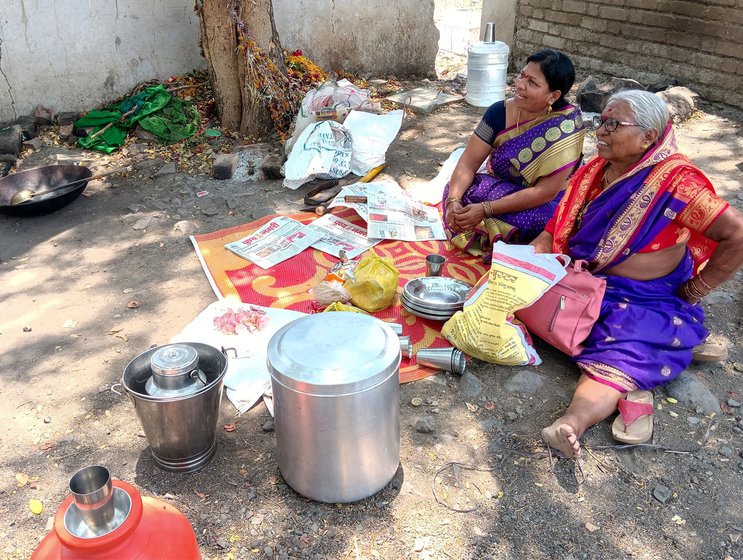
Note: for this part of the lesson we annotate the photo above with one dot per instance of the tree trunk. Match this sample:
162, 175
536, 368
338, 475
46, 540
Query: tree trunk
246, 63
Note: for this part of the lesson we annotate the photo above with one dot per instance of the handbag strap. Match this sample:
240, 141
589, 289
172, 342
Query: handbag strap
563, 259
581, 265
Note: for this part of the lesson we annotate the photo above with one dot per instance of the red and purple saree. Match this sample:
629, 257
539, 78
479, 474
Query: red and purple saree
645, 333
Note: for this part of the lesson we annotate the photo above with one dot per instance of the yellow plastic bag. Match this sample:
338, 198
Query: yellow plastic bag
375, 283
338, 306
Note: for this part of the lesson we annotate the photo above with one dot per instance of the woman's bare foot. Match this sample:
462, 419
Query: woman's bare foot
562, 437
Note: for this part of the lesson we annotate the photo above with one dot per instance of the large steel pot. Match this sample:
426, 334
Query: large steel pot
40, 179
180, 422
335, 380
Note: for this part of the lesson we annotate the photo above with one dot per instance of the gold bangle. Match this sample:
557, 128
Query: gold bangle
450, 199
487, 208
701, 279
693, 291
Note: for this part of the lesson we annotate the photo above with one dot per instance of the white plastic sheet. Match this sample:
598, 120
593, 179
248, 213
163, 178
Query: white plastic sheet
371, 135
322, 150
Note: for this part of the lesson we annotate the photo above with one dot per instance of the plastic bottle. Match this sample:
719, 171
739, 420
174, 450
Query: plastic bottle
487, 66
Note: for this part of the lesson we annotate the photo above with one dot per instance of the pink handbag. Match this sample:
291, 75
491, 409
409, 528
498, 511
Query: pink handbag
564, 315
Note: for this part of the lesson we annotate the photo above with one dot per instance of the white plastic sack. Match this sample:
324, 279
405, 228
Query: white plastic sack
323, 150
371, 135
343, 97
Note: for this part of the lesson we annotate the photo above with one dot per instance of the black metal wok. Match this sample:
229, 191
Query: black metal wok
39, 179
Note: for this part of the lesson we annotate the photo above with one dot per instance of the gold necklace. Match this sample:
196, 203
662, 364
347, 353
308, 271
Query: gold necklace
605, 182
518, 117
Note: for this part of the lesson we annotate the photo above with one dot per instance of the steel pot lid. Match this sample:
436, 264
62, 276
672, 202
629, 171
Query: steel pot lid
174, 359
212, 368
333, 353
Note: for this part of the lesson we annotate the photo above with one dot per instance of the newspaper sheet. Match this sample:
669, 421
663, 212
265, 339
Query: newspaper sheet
391, 213
341, 235
278, 240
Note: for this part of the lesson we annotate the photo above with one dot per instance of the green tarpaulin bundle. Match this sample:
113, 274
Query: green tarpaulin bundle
160, 113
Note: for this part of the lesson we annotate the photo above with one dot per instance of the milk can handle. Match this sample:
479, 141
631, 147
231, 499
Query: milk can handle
114, 390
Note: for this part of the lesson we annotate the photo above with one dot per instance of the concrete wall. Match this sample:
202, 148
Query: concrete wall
699, 43
503, 13
72, 55
368, 37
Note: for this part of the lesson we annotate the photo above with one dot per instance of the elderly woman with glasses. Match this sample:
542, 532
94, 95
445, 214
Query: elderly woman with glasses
532, 143
649, 222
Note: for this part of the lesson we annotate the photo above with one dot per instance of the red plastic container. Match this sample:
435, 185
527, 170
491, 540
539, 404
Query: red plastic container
153, 530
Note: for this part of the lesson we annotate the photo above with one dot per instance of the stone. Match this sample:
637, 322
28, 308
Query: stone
681, 101
43, 116
525, 382
470, 384
142, 223
726, 451
186, 227
423, 100
11, 140
34, 144
269, 425
592, 96
689, 390
67, 117
425, 425
224, 166
732, 403
167, 169
148, 164
718, 297
271, 166
626, 83
28, 126
662, 493
65, 131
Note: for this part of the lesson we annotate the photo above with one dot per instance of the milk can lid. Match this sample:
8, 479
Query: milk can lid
174, 359
333, 353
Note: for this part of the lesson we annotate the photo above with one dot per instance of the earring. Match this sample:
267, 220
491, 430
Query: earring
549, 107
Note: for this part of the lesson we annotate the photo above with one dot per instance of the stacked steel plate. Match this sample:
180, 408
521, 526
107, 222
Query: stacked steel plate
435, 297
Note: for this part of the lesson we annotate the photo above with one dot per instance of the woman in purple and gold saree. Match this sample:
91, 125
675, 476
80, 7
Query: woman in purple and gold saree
649, 222
531, 145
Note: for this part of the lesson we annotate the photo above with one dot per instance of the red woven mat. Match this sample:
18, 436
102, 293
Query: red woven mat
286, 285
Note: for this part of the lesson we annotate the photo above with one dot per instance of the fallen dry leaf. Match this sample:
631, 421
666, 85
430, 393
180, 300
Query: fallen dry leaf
35, 506
201, 494
22, 479
133, 304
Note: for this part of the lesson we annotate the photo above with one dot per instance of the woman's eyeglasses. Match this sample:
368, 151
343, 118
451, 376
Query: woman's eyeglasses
610, 124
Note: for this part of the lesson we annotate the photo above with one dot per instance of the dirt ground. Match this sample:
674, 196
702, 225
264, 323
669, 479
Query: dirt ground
67, 332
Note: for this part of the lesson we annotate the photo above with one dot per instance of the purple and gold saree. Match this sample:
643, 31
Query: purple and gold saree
645, 333
521, 156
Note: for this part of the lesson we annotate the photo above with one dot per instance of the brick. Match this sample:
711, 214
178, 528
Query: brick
703, 60
642, 4
537, 25
224, 166
594, 24
619, 14
574, 7
554, 42
559, 17
728, 49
